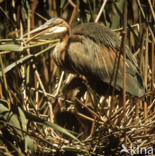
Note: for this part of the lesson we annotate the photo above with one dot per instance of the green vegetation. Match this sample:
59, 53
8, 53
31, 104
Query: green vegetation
45, 111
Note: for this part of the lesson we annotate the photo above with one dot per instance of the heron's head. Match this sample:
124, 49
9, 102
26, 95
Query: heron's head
55, 27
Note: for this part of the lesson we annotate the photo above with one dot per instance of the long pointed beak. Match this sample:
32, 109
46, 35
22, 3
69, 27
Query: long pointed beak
47, 30
39, 32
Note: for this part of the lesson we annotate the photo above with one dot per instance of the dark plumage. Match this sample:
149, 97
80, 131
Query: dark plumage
95, 54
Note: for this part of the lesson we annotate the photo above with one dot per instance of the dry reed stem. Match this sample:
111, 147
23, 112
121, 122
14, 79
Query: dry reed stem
140, 119
124, 56
73, 12
101, 10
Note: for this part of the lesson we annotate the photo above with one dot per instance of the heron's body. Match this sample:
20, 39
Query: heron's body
93, 50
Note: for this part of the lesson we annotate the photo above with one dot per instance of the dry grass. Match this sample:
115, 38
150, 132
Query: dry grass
37, 98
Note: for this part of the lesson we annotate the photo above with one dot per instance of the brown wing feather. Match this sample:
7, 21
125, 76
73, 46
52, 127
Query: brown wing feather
97, 63
93, 51
102, 35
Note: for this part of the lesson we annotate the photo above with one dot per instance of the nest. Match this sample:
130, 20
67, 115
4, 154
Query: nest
101, 124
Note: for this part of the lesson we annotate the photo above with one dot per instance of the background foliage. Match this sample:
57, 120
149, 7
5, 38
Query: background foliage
39, 102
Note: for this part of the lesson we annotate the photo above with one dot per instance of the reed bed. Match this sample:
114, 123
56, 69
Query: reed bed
46, 111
